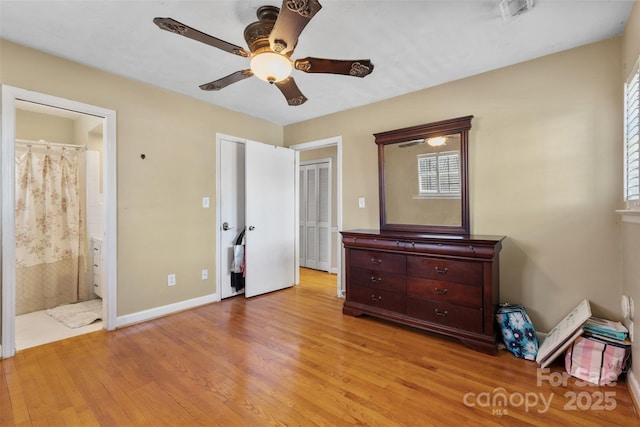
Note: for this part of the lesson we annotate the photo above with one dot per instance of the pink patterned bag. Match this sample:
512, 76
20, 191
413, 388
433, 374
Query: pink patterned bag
595, 361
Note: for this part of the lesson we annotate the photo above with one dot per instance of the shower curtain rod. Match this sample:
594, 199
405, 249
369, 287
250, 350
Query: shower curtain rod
52, 144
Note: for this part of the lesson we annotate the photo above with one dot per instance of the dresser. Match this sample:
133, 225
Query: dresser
447, 284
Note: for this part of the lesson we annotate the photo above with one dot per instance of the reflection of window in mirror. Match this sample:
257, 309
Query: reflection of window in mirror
439, 175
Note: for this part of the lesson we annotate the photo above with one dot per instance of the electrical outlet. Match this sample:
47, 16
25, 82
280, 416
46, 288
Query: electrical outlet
205, 274
171, 280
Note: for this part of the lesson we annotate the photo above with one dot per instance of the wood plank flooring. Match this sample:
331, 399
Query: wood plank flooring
290, 358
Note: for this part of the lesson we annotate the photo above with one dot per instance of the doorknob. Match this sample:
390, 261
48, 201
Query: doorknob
225, 226
251, 227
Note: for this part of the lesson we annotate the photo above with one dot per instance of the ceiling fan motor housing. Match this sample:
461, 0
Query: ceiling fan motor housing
257, 33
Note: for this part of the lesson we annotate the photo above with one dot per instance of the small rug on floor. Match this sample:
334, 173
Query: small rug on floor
78, 314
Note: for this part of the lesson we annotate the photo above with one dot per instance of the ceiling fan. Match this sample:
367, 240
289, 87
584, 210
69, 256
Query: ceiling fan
271, 42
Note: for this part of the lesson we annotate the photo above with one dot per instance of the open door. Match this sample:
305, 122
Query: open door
256, 184
270, 218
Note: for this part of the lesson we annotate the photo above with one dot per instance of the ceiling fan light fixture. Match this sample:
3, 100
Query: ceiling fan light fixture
271, 67
437, 141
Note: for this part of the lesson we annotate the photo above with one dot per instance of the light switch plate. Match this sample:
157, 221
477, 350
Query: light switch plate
361, 202
205, 202
171, 280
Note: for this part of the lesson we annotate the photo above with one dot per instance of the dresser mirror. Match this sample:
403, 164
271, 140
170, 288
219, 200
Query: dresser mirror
423, 177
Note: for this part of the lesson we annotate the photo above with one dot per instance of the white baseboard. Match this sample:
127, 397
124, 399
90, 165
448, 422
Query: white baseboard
153, 313
634, 387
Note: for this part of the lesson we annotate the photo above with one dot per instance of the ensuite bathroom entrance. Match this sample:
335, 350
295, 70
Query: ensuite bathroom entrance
58, 228
59, 223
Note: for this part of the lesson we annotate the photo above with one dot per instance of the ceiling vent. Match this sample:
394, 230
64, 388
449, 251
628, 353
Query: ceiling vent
512, 8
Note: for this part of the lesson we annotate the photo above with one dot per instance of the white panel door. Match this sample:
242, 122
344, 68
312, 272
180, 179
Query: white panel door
302, 215
315, 215
324, 217
310, 221
270, 218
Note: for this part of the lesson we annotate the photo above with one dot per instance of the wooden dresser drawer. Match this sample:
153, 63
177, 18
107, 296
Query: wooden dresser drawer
378, 261
452, 293
469, 273
451, 249
370, 242
466, 318
386, 300
377, 280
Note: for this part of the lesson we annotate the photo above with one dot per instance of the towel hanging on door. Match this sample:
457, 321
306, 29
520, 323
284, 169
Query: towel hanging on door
237, 264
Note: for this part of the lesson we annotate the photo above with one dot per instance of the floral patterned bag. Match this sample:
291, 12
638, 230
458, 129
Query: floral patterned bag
518, 332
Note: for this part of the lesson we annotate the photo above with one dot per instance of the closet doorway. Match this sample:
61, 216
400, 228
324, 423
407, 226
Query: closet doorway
315, 213
319, 152
77, 142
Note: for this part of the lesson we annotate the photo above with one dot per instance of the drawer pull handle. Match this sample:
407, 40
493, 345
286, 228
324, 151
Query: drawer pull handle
441, 270
376, 298
376, 279
472, 249
441, 291
376, 261
441, 313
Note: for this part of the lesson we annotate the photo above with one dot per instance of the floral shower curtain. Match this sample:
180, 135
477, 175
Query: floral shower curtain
49, 229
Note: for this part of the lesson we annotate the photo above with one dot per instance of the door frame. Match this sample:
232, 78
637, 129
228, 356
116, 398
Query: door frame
313, 145
219, 271
10, 95
219, 249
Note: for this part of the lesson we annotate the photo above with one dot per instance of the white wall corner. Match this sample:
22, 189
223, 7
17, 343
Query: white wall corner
165, 310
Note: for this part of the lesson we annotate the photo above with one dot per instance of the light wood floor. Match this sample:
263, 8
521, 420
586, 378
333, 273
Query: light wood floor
289, 358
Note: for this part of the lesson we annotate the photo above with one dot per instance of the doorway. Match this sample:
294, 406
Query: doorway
256, 217
322, 149
100, 125
316, 218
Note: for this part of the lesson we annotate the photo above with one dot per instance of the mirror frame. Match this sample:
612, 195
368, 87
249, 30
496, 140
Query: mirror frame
459, 125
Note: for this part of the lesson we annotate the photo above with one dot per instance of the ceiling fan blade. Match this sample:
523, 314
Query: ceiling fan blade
356, 68
293, 17
226, 81
173, 26
290, 90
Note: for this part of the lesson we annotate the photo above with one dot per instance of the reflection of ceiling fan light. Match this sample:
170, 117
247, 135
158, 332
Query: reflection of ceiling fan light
271, 67
437, 141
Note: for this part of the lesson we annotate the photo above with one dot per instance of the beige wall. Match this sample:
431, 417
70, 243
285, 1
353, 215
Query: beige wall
36, 126
545, 171
631, 232
162, 227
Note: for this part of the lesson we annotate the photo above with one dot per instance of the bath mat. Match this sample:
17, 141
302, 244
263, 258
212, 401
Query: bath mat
78, 314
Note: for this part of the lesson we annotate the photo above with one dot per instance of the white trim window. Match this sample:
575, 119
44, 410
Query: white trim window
439, 175
632, 138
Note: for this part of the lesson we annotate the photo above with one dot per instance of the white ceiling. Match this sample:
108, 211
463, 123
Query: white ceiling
414, 44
